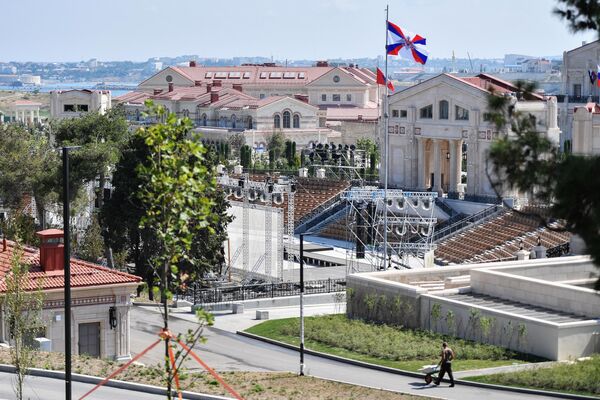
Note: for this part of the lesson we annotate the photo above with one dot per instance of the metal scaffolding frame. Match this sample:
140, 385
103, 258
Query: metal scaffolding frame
267, 192
410, 227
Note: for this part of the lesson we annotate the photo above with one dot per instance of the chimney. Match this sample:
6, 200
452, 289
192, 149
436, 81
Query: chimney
322, 64
238, 87
170, 86
157, 91
52, 252
214, 97
192, 63
217, 83
197, 83
208, 87
4, 244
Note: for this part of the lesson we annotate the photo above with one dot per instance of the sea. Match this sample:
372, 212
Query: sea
121, 87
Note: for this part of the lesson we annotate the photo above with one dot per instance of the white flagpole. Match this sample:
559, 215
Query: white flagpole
386, 146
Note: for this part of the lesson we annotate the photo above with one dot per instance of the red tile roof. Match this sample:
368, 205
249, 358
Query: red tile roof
83, 274
133, 98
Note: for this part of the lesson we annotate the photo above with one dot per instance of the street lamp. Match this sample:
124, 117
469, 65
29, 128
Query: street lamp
67, 267
302, 301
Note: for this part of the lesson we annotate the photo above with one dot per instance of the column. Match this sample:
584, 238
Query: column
452, 178
37, 113
31, 116
420, 163
459, 160
437, 174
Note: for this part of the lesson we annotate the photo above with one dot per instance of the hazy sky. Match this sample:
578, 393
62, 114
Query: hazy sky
73, 30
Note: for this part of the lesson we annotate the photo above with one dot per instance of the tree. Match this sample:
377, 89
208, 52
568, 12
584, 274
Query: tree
102, 138
276, 142
236, 141
20, 226
23, 309
528, 161
29, 166
581, 15
91, 247
177, 202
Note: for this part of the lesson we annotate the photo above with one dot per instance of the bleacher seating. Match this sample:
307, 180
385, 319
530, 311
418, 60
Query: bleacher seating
498, 239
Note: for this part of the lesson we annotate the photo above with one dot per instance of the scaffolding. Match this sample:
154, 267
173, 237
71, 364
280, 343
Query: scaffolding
268, 193
408, 232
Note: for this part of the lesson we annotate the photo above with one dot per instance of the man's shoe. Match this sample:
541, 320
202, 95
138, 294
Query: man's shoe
452, 385
436, 383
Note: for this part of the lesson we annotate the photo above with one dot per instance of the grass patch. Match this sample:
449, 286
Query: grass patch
385, 345
580, 377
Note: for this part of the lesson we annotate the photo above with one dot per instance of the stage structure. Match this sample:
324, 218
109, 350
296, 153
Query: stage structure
410, 225
262, 254
341, 161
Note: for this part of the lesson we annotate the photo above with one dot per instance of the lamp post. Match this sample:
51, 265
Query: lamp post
302, 301
67, 268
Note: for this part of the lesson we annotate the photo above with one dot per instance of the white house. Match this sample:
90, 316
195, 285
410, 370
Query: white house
440, 123
73, 103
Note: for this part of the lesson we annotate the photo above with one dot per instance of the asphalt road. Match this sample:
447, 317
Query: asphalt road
39, 388
230, 352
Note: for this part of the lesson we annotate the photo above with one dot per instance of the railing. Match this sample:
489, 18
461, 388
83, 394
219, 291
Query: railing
558, 251
483, 199
445, 207
327, 209
467, 222
576, 99
263, 290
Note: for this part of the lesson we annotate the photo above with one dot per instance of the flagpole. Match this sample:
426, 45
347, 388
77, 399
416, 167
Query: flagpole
386, 146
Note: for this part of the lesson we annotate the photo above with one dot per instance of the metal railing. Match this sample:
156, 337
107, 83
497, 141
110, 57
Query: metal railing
262, 290
467, 222
576, 99
558, 251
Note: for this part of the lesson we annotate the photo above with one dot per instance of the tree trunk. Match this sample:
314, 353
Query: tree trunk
164, 297
40, 209
108, 254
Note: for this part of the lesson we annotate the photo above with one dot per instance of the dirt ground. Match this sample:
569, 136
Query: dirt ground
250, 385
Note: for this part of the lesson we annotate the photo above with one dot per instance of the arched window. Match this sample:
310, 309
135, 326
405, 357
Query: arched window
277, 121
233, 121
249, 121
296, 121
443, 109
204, 120
286, 119
186, 113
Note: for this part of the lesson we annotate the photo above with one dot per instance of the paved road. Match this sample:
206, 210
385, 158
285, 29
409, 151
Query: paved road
227, 351
38, 388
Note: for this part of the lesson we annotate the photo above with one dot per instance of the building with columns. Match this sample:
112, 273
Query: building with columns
26, 111
438, 129
100, 306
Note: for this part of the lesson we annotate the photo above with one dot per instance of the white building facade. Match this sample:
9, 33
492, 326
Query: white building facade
439, 124
74, 103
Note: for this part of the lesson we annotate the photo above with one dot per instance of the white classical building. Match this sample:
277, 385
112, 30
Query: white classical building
439, 124
73, 103
579, 83
219, 111
26, 111
585, 132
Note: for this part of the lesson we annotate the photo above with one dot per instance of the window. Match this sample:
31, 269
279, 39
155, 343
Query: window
186, 113
301, 75
246, 75
69, 108
261, 96
577, 90
487, 116
235, 75
286, 119
395, 114
403, 114
296, 122
203, 119
348, 97
220, 75
336, 97
444, 109
336, 78
277, 121
249, 123
323, 97
462, 114
169, 78
263, 75
208, 75
275, 75
289, 75
82, 107
426, 112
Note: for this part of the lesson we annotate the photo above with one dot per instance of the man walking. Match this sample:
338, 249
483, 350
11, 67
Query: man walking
446, 364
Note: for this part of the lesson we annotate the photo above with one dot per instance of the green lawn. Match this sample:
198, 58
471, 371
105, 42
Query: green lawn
581, 377
385, 345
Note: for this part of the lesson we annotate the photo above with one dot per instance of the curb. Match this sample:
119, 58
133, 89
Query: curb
416, 374
132, 386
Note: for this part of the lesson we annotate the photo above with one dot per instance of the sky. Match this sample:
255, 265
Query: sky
75, 30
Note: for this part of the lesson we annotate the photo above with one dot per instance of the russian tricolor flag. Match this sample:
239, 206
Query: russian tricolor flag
382, 80
405, 44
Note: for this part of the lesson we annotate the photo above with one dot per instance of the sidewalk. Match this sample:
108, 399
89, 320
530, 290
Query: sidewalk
230, 322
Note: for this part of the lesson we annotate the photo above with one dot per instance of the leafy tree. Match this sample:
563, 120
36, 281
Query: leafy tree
91, 247
28, 166
529, 162
102, 138
276, 142
20, 227
23, 309
236, 141
176, 196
